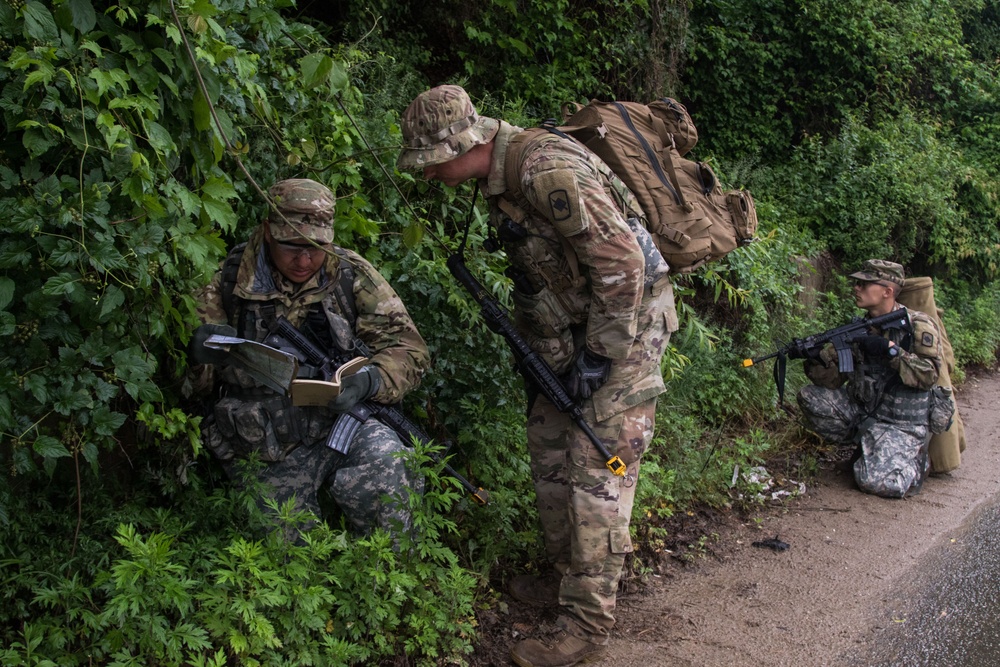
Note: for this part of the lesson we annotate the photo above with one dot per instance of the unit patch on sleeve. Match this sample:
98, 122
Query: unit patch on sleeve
927, 339
560, 208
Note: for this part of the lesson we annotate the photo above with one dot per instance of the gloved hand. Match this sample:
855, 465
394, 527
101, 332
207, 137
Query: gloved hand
874, 346
199, 354
356, 388
798, 350
589, 372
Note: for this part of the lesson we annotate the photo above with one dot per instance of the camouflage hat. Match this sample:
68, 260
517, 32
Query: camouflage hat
880, 270
307, 205
441, 124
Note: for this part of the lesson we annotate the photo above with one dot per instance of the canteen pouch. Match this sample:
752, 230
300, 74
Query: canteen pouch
266, 425
744, 213
942, 410
542, 312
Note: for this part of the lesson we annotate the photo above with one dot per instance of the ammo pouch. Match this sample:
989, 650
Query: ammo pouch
542, 312
267, 425
942, 411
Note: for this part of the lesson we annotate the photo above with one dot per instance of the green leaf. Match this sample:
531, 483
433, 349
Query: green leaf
338, 77
49, 447
38, 386
159, 138
67, 399
8, 323
412, 235
316, 68
218, 188
61, 283
110, 79
219, 212
6, 415
112, 299
84, 18
6, 292
105, 421
39, 23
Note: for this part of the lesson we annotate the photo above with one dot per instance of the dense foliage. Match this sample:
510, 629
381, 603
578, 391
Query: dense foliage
137, 139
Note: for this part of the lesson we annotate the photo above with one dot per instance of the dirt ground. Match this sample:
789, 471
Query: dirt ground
827, 594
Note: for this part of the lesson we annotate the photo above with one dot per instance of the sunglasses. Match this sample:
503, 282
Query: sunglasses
296, 250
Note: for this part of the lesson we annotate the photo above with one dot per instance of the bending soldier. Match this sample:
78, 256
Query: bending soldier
290, 267
883, 406
593, 298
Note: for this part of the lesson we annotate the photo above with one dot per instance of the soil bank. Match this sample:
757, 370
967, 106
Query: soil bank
832, 590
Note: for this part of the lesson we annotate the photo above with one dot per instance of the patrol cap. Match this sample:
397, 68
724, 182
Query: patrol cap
441, 124
307, 205
880, 270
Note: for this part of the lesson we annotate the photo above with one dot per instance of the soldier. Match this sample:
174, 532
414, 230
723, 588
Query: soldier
593, 297
291, 267
883, 405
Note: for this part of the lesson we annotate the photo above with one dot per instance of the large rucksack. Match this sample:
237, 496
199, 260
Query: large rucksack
690, 218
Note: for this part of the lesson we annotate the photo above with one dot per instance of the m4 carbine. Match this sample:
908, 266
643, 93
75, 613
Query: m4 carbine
284, 336
531, 366
840, 337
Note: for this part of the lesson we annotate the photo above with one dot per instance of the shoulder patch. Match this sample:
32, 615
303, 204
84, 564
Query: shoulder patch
927, 339
554, 193
559, 206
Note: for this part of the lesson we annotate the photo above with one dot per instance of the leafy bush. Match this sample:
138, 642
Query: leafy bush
182, 586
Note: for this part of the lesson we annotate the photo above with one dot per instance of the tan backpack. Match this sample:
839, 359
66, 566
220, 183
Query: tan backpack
690, 218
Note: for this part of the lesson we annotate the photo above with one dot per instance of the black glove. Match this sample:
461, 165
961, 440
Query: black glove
589, 372
356, 388
199, 354
874, 346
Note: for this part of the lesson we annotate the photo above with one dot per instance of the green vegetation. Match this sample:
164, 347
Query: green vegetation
136, 137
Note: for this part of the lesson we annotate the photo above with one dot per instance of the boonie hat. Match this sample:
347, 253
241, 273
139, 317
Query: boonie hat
441, 124
307, 205
880, 270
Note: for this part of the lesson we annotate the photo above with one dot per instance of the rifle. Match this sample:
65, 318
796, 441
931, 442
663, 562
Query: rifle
283, 335
531, 366
841, 337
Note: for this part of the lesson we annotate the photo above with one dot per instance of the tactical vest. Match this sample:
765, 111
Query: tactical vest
882, 394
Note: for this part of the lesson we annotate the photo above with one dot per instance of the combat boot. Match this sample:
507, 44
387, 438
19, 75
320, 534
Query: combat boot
560, 650
536, 590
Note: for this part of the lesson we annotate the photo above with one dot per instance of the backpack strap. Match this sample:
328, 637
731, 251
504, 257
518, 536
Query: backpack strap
345, 289
230, 271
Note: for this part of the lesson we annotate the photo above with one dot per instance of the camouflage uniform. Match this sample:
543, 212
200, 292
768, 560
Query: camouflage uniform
584, 275
882, 406
290, 440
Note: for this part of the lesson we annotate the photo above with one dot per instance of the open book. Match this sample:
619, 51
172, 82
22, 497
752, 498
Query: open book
277, 370
320, 392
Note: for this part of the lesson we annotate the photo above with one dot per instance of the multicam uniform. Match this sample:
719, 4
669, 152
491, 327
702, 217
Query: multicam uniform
883, 407
250, 418
583, 276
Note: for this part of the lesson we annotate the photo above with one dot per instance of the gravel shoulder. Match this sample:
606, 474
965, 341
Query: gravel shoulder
830, 592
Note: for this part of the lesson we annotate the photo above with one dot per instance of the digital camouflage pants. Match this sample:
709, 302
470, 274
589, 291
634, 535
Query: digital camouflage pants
893, 440
584, 509
368, 484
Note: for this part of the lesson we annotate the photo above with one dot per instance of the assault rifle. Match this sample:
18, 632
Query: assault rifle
840, 337
284, 336
531, 366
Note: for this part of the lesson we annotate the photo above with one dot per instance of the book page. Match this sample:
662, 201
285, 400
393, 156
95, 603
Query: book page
272, 368
318, 393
